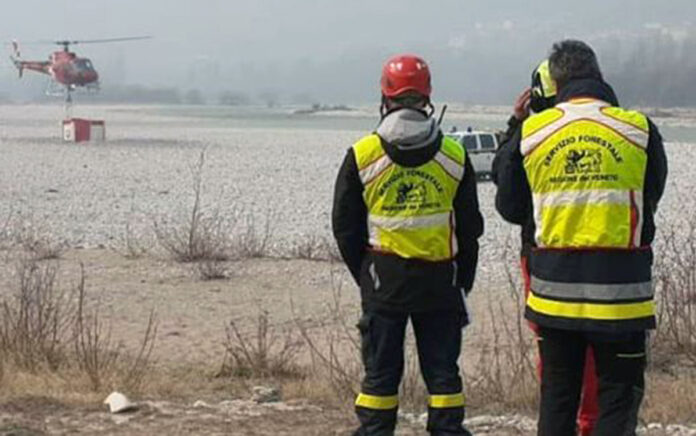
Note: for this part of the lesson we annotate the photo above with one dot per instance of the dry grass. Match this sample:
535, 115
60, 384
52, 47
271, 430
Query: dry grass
209, 238
5, 231
131, 244
99, 357
334, 348
504, 374
36, 318
211, 269
50, 337
670, 398
41, 244
253, 236
264, 353
52, 341
315, 247
675, 276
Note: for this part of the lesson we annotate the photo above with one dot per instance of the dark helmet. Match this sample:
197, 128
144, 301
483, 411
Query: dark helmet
543, 88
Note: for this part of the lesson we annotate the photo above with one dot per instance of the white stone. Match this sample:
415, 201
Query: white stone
119, 403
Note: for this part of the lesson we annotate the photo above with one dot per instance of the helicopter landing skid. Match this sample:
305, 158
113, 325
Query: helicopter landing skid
54, 89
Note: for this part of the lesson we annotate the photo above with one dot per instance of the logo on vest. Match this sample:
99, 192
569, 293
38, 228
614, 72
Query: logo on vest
411, 193
585, 161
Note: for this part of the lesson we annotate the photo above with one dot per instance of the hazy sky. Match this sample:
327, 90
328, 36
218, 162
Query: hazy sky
326, 49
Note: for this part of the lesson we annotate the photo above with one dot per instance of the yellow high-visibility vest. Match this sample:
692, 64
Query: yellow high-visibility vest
410, 210
585, 162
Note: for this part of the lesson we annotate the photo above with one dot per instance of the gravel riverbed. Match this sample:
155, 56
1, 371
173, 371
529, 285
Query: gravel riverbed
261, 165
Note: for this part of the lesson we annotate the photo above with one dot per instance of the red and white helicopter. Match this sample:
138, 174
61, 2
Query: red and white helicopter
68, 71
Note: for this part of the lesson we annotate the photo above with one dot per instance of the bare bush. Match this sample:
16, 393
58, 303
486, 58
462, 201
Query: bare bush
131, 245
675, 283
211, 269
36, 321
41, 245
505, 371
45, 327
252, 238
98, 356
315, 247
138, 365
201, 236
335, 353
5, 231
263, 354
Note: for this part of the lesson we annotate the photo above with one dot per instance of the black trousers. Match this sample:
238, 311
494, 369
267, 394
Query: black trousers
438, 339
620, 365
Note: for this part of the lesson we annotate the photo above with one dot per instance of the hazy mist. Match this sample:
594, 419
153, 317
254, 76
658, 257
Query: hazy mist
331, 51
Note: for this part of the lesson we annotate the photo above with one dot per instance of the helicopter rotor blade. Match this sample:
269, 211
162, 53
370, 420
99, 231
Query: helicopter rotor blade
99, 41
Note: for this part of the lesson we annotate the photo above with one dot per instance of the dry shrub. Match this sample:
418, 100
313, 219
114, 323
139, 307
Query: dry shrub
675, 281
335, 351
670, 398
48, 331
130, 244
36, 321
206, 236
263, 354
211, 269
41, 245
252, 237
315, 247
5, 232
202, 235
504, 372
99, 357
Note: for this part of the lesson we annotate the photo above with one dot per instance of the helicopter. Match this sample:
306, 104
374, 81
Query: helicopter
68, 71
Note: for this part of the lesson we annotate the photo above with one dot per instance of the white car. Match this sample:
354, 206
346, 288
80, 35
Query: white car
481, 148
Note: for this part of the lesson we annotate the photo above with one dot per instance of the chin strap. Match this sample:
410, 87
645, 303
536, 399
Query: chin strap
428, 111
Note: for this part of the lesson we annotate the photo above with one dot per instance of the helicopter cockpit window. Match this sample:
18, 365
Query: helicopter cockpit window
84, 64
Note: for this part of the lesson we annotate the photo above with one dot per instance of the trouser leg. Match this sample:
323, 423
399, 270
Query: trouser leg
382, 338
589, 406
563, 358
620, 371
439, 337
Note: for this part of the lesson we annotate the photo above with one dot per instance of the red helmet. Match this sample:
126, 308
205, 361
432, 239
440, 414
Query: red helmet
403, 73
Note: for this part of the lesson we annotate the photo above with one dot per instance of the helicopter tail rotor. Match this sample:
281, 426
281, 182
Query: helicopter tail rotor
16, 58
15, 49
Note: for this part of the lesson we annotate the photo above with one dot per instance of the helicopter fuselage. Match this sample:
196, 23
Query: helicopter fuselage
64, 67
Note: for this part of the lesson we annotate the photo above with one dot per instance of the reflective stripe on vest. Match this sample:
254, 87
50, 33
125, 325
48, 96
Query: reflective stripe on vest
585, 162
410, 210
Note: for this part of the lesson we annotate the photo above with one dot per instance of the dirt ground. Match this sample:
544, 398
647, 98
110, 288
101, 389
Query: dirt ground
191, 315
182, 395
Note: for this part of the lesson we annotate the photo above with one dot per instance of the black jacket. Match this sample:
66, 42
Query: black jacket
406, 284
513, 199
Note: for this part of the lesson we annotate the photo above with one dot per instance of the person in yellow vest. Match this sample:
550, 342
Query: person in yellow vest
537, 98
585, 178
406, 220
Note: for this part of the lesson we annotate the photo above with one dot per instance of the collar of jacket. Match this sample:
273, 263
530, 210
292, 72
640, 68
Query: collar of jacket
592, 88
408, 129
